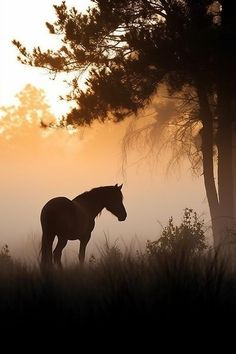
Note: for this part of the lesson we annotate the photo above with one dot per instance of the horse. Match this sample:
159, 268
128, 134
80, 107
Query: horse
75, 220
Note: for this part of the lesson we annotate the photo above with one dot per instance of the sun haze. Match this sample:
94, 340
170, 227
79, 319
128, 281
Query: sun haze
25, 21
37, 165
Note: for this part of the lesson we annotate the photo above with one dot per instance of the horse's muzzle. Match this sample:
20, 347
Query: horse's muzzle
122, 218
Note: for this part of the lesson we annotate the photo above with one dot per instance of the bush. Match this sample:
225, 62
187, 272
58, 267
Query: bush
186, 239
5, 257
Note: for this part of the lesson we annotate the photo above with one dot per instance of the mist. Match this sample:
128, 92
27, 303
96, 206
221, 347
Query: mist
39, 164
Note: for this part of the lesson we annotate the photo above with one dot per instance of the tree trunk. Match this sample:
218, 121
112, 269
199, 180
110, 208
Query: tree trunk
226, 115
208, 162
225, 163
234, 172
221, 204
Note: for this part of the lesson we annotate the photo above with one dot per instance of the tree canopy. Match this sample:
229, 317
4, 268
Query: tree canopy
128, 48
24, 119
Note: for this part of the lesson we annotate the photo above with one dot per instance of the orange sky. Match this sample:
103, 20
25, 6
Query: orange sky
39, 168
24, 20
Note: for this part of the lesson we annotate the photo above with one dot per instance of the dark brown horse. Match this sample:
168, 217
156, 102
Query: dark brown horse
75, 220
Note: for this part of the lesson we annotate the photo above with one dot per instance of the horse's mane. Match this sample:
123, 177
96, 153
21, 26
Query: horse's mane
92, 195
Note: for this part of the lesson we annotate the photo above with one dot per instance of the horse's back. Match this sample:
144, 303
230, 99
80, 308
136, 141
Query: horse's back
58, 215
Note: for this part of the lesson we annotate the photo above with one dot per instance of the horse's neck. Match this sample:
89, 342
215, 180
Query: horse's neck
94, 206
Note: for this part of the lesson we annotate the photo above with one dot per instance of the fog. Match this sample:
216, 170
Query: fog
38, 165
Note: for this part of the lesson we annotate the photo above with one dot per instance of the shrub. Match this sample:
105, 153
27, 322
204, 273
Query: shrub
186, 239
5, 257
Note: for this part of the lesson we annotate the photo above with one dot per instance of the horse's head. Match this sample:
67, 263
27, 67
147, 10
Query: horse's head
114, 202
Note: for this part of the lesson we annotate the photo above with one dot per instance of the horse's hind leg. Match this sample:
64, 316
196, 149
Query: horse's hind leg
83, 244
46, 249
58, 250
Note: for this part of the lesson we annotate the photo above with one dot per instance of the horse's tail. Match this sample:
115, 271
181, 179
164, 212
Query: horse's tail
46, 250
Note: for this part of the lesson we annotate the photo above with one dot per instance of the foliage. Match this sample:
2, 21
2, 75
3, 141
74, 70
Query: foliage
5, 257
186, 239
128, 48
23, 119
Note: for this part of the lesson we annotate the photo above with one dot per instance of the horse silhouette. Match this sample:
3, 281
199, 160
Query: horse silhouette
75, 220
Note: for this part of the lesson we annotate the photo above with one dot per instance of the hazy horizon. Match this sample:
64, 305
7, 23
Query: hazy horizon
37, 169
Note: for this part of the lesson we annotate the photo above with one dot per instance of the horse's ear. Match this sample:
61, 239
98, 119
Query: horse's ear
120, 186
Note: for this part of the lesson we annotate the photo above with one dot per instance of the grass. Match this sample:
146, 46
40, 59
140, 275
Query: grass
132, 290
143, 291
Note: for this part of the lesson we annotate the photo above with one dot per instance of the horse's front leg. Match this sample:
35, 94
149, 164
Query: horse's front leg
83, 243
58, 250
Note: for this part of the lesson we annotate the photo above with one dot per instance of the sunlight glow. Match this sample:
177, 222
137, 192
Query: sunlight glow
25, 21
39, 164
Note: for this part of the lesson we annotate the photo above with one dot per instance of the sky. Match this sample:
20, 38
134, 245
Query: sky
24, 20
37, 169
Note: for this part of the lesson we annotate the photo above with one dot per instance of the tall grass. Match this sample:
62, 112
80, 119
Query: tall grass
161, 285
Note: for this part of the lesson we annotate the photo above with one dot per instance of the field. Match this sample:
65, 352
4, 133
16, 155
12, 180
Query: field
127, 290
177, 283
